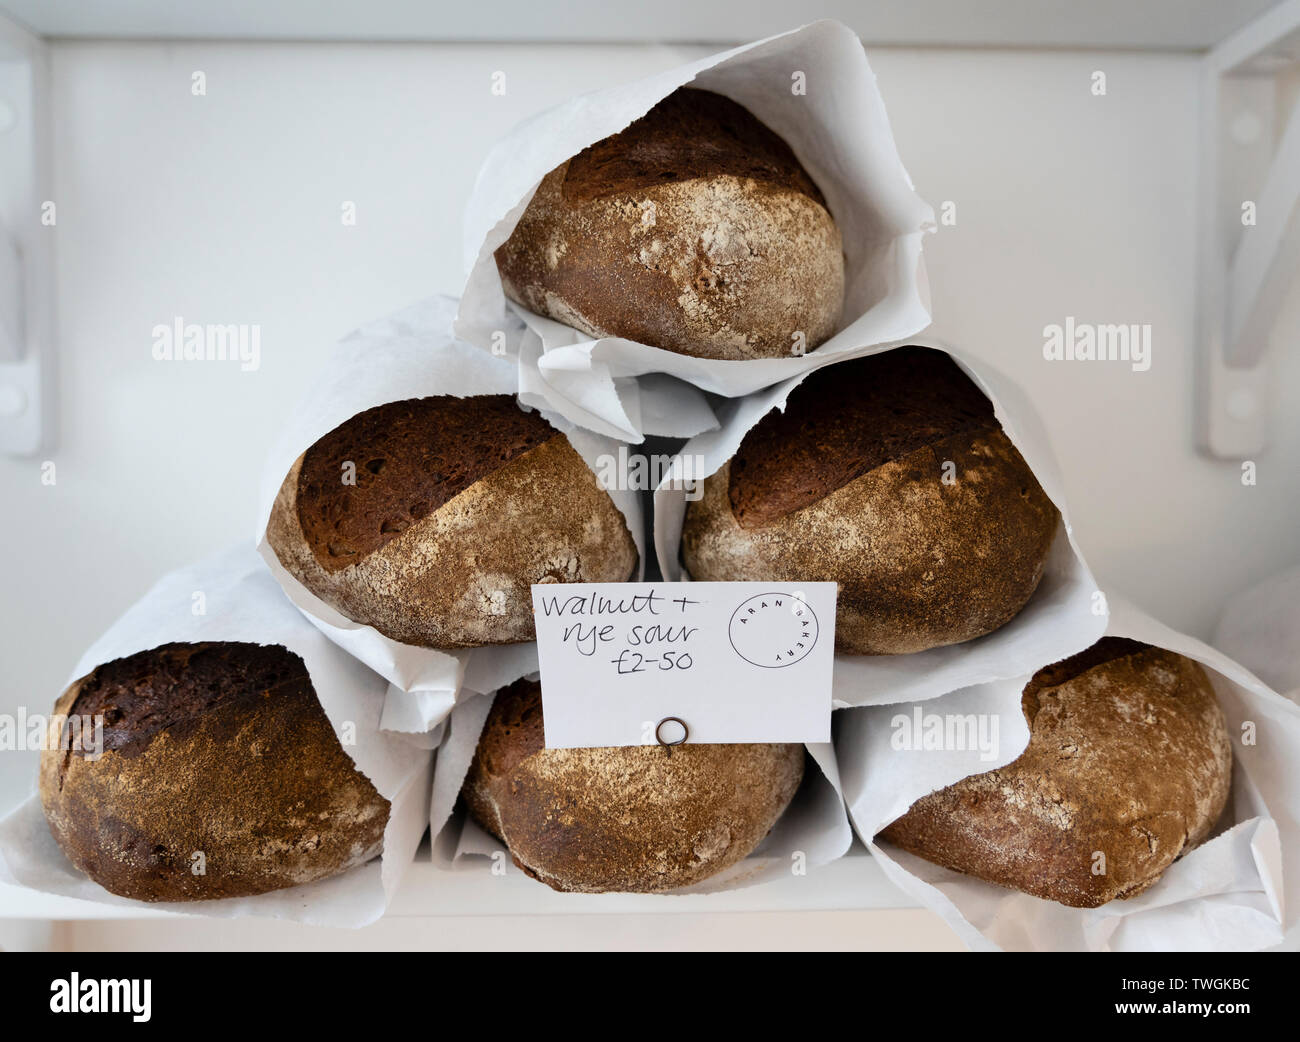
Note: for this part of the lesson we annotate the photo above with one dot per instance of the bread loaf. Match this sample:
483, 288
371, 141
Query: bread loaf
1128, 768
891, 476
430, 519
695, 229
220, 776
632, 819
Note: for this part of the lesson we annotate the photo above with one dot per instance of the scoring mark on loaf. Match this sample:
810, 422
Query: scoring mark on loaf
462, 576
851, 418
418, 454
919, 564
688, 135
694, 229
1128, 767
729, 267
849, 484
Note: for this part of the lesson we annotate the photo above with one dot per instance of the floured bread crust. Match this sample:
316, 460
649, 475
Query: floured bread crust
461, 576
252, 787
720, 267
1128, 767
627, 819
920, 562
694, 229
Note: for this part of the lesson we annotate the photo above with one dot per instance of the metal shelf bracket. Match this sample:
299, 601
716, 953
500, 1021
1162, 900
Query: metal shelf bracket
26, 244
1249, 213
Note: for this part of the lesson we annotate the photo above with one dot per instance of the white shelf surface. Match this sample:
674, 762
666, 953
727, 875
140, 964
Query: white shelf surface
854, 882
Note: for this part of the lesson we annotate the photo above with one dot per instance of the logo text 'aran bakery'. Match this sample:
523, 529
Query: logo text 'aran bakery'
773, 629
97, 995
1084, 342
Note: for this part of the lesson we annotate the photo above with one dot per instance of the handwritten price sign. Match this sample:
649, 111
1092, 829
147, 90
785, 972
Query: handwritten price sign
739, 662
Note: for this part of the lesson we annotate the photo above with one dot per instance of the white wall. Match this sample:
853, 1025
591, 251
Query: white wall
225, 209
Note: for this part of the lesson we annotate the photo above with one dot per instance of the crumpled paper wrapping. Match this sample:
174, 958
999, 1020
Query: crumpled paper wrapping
411, 354
243, 603
841, 134
1066, 613
815, 824
1229, 894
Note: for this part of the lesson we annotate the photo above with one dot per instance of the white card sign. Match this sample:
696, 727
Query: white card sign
733, 662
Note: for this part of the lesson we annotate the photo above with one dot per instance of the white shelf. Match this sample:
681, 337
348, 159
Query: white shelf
854, 882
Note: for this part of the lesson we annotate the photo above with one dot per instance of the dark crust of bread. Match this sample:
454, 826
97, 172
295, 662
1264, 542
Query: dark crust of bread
461, 575
625, 819
172, 687
847, 419
220, 750
689, 134
1128, 767
694, 230
904, 491
408, 458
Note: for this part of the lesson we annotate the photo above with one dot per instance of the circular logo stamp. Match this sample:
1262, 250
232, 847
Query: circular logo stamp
773, 629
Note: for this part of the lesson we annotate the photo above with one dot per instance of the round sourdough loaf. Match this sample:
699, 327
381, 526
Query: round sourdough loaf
220, 776
695, 229
629, 819
1127, 769
430, 519
890, 476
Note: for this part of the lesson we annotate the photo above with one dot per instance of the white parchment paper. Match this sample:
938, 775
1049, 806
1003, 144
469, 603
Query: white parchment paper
1065, 614
841, 134
1229, 894
814, 825
243, 603
411, 354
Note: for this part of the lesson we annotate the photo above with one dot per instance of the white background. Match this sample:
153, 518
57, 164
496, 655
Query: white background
226, 209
